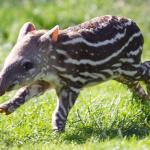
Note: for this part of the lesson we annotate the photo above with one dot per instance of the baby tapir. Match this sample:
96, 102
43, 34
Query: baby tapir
106, 47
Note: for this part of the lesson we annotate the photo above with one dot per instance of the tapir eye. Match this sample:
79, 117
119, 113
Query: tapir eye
27, 65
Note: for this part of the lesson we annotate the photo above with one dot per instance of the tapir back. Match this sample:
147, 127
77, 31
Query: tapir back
98, 49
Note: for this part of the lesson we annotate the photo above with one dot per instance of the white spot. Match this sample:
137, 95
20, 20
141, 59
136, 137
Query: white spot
53, 57
76, 52
31, 71
92, 54
77, 70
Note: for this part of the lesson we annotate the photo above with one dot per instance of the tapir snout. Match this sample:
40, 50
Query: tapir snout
5, 83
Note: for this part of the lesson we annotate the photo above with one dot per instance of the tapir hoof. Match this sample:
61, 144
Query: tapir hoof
4, 110
2, 93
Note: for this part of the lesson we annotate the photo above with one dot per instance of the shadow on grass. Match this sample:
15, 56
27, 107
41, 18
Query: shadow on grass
81, 135
123, 129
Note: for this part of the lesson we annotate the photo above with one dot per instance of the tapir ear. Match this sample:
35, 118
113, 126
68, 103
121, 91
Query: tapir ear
54, 33
51, 34
27, 27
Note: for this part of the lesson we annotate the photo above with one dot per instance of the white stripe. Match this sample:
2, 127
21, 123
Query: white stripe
61, 116
93, 75
128, 23
54, 117
62, 106
100, 76
127, 72
102, 43
107, 71
59, 68
135, 52
117, 65
94, 63
136, 65
70, 101
74, 89
53, 57
138, 77
74, 79
87, 74
59, 104
125, 60
63, 52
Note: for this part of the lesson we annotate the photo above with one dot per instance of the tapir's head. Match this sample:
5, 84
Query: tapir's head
28, 58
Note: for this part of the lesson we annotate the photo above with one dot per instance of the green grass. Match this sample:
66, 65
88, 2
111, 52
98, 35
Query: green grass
105, 116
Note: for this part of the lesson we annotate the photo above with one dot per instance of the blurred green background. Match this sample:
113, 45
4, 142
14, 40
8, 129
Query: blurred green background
105, 116
47, 13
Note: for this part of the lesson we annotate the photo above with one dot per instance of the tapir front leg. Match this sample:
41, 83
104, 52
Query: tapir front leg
23, 95
66, 99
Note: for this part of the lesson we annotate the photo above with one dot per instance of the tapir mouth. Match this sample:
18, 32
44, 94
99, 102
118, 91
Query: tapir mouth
11, 87
6, 88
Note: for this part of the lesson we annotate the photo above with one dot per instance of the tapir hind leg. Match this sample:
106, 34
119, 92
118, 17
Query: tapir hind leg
135, 87
23, 95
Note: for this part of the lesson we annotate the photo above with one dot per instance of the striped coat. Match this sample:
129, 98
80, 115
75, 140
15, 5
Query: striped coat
100, 49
